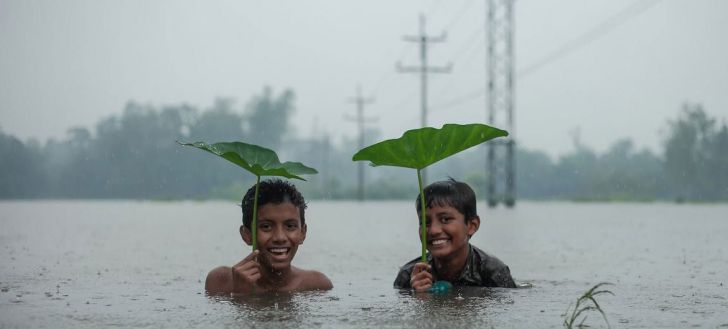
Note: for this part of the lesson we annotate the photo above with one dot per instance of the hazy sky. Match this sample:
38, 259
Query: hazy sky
71, 63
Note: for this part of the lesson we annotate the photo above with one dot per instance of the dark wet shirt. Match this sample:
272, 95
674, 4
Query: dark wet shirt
481, 270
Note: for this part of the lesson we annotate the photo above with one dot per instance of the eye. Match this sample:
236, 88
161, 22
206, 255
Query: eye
446, 220
291, 226
265, 226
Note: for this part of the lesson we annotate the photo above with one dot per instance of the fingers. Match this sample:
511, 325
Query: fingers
421, 279
250, 275
247, 269
422, 284
420, 267
246, 273
250, 257
245, 281
247, 259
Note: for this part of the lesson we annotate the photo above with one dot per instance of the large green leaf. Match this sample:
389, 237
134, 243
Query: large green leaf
419, 148
260, 161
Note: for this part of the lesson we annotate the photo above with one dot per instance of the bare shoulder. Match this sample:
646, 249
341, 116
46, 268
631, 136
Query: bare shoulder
219, 280
313, 280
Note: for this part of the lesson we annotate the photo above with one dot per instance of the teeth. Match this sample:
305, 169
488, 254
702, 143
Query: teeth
279, 250
438, 242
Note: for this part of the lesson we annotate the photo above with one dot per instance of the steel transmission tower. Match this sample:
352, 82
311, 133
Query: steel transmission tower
423, 39
501, 163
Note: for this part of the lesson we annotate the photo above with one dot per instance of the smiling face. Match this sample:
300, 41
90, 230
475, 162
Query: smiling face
448, 232
279, 234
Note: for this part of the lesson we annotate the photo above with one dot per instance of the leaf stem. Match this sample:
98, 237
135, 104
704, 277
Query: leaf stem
423, 223
255, 215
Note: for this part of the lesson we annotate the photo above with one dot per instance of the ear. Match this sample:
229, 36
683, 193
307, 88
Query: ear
303, 233
473, 225
246, 235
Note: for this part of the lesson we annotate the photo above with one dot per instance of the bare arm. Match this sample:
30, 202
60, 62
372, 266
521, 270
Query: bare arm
245, 274
315, 280
219, 280
237, 279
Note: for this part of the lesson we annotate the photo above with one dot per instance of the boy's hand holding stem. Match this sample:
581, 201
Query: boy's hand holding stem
421, 279
246, 273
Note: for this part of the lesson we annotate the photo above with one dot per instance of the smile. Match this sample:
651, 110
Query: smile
279, 251
439, 242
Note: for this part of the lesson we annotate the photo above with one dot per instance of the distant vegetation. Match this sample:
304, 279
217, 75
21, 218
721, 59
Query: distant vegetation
134, 156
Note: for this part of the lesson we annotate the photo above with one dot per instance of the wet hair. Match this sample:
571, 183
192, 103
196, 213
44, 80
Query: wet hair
450, 193
273, 191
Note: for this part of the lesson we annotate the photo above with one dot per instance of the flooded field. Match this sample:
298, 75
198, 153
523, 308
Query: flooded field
142, 264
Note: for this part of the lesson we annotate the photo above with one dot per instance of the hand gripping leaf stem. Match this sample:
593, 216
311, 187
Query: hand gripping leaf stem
419, 148
257, 160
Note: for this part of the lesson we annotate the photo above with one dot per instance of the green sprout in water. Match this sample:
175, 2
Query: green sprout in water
419, 148
257, 160
586, 303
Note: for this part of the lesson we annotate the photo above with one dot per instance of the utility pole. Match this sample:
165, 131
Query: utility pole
360, 101
423, 39
501, 164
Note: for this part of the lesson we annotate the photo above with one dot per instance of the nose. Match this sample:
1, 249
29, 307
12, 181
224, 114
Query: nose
434, 228
279, 235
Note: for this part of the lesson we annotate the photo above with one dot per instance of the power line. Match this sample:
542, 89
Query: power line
423, 39
435, 4
389, 73
470, 48
455, 19
475, 94
467, 46
596, 32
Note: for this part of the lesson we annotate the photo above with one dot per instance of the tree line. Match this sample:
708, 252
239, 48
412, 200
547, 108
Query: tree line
134, 156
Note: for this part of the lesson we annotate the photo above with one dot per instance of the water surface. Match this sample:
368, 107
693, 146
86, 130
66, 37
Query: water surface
142, 264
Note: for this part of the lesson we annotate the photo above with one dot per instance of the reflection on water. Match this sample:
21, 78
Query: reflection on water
460, 303
274, 308
143, 264
463, 305
268, 308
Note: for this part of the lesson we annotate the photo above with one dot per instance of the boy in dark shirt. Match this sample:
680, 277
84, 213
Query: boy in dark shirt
452, 219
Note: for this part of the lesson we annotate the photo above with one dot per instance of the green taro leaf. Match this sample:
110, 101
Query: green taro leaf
419, 148
258, 160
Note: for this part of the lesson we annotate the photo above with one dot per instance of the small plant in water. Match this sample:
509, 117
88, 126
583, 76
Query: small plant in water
584, 304
257, 160
419, 148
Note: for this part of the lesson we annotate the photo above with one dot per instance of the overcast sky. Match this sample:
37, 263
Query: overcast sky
621, 68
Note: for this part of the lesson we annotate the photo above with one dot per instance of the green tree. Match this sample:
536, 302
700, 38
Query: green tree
267, 118
624, 174
574, 172
220, 123
21, 175
535, 174
695, 155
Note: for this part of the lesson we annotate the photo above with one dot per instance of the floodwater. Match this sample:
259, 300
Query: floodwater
138, 264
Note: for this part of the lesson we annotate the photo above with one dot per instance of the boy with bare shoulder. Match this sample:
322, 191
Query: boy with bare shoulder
281, 229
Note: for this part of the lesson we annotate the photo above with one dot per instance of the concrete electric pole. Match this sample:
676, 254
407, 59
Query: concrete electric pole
423, 39
360, 101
